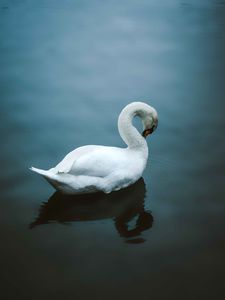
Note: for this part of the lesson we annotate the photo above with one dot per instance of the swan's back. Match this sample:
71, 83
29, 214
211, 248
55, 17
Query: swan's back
96, 161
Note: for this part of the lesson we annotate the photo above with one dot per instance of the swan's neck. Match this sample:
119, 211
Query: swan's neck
128, 132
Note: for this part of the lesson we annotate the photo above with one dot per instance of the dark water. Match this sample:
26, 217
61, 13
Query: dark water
66, 72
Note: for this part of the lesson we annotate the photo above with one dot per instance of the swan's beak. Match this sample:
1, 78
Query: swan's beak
148, 131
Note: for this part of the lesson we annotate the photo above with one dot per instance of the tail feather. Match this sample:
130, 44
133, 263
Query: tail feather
48, 175
39, 171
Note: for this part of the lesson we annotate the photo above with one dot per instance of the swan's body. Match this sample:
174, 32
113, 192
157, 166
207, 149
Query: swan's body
100, 168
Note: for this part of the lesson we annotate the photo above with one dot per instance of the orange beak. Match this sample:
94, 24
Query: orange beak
146, 132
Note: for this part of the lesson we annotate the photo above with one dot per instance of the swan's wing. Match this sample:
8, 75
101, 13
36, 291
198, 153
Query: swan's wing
98, 161
66, 164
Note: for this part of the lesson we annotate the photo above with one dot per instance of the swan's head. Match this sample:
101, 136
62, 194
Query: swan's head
149, 118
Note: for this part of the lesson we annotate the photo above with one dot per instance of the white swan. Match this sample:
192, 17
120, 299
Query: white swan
101, 168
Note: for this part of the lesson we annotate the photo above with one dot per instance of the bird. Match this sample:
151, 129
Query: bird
96, 168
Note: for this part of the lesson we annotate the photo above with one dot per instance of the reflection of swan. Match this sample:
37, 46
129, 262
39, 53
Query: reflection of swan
100, 168
122, 206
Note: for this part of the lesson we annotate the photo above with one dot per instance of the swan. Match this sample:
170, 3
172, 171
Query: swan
94, 168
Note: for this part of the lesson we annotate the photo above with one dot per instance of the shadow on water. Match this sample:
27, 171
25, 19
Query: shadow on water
124, 207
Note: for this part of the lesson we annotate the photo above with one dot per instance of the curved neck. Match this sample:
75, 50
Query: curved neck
128, 132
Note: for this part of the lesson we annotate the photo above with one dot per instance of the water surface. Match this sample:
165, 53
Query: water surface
67, 70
